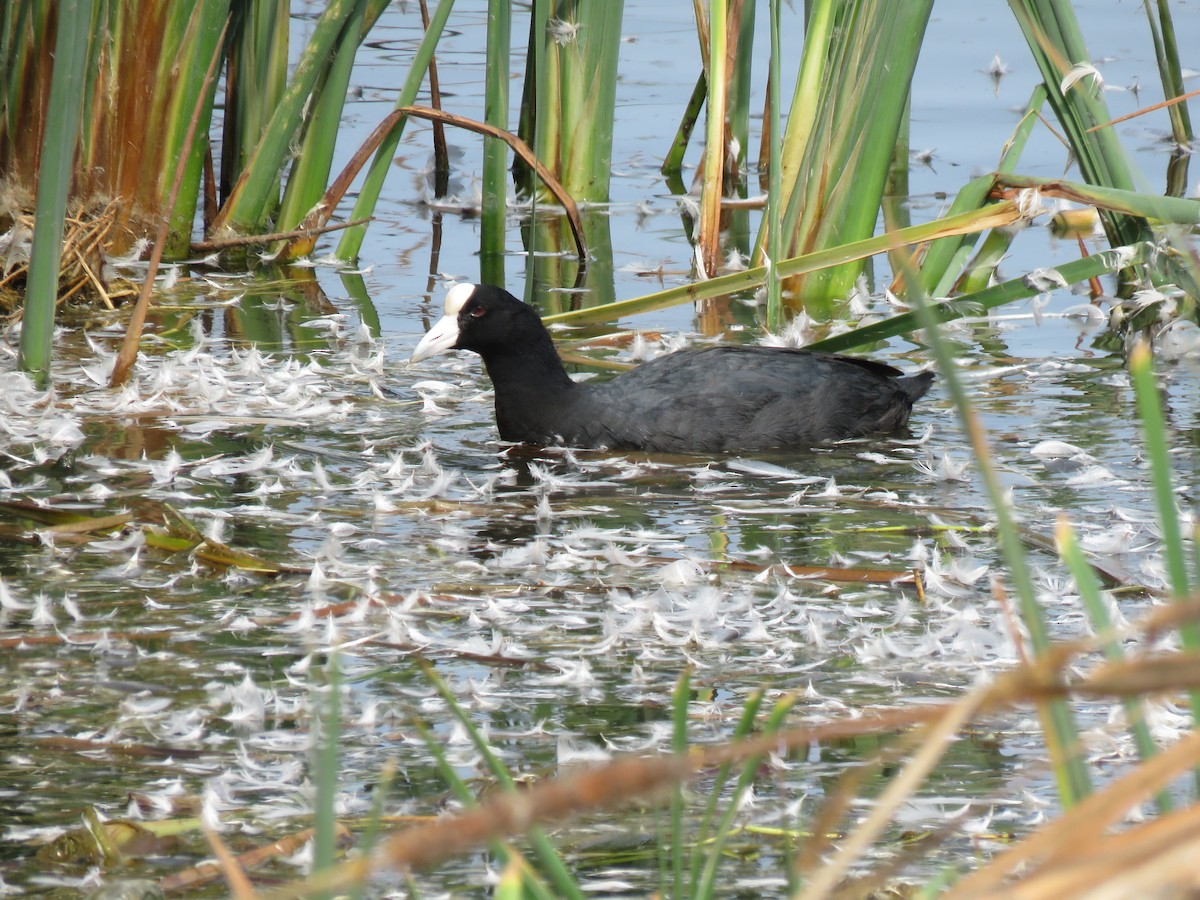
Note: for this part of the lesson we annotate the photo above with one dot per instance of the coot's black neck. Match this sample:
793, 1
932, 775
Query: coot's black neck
534, 363
532, 391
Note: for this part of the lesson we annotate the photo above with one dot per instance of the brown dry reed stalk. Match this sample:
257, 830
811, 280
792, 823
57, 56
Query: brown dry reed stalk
127, 355
323, 210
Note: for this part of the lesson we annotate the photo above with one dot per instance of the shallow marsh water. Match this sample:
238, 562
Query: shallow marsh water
317, 447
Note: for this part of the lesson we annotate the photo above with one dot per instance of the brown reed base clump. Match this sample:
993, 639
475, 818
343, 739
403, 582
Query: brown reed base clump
92, 232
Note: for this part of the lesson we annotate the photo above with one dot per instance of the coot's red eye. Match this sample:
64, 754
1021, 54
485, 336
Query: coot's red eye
477, 311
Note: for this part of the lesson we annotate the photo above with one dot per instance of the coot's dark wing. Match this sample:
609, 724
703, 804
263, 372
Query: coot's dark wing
742, 398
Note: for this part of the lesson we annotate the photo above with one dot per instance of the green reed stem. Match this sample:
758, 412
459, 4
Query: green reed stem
861, 91
54, 184
544, 98
192, 38
672, 166
543, 849
1166, 52
466, 797
309, 174
1058, 722
750, 279
589, 89
775, 185
706, 886
1097, 610
946, 258
679, 746
381, 162
978, 273
741, 84
245, 210
325, 776
1154, 433
538, 128
741, 730
1056, 42
975, 304
256, 78
370, 834
495, 152
712, 186
814, 65
1174, 210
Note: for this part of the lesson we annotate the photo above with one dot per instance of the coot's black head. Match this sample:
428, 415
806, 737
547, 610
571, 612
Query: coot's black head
483, 318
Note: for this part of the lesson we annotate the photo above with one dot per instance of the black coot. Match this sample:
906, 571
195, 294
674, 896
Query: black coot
693, 401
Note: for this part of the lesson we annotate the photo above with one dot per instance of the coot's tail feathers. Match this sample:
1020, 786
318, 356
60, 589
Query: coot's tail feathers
915, 386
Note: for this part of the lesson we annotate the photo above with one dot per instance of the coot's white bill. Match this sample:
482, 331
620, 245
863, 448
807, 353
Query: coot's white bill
440, 338
445, 333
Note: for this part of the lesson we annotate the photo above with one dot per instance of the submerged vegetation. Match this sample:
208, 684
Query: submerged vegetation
505, 598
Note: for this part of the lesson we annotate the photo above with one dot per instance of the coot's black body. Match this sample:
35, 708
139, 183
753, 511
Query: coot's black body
693, 401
